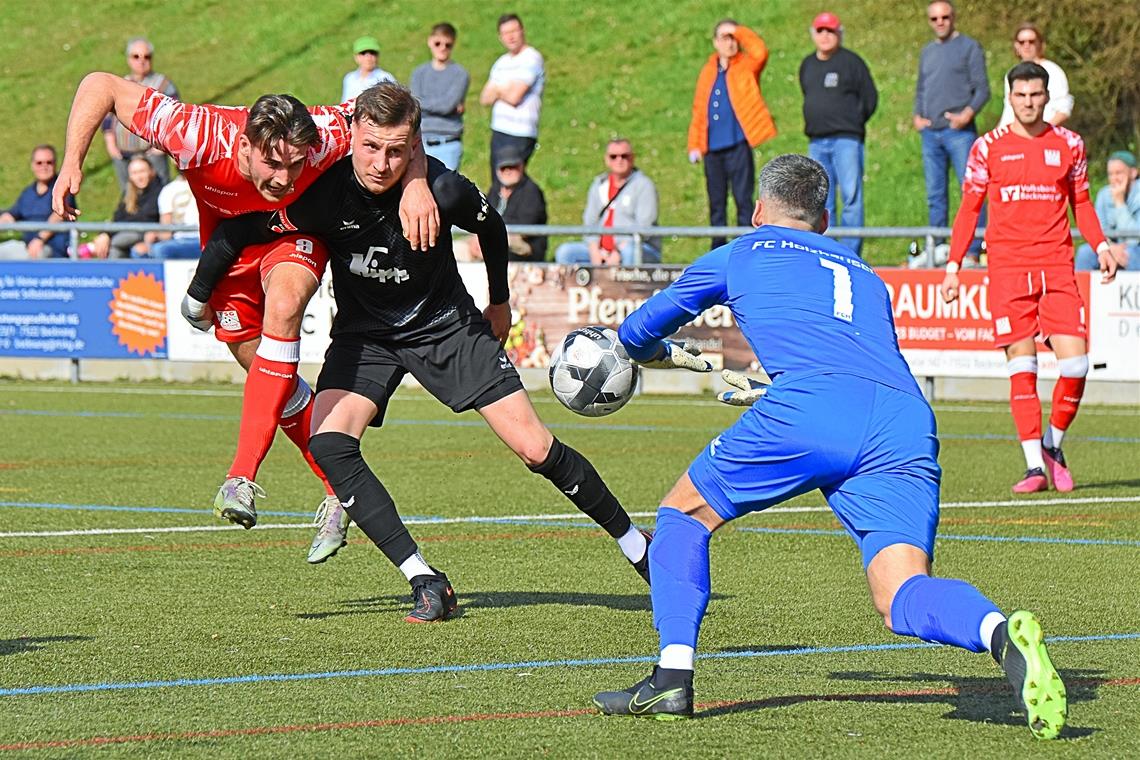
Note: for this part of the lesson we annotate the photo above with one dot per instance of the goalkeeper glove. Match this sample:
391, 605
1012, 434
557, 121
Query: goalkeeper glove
194, 311
749, 390
680, 356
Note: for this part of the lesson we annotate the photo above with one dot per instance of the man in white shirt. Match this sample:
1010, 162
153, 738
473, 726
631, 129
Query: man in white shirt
514, 91
176, 205
1029, 45
367, 71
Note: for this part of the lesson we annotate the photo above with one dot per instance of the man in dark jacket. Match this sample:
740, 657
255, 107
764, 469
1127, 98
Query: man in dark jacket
519, 200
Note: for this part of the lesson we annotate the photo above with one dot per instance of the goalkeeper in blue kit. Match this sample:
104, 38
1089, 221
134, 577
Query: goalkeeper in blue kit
843, 414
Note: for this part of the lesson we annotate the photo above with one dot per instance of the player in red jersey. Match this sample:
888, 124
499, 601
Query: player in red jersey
239, 160
1031, 171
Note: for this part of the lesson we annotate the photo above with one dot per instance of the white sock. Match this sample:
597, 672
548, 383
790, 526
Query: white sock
1053, 437
415, 565
1032, 450
633, 544
677, 657
989, 624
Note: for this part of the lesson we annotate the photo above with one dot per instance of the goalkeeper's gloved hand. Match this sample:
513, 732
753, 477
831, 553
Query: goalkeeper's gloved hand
197, 314
749, 390
680, 356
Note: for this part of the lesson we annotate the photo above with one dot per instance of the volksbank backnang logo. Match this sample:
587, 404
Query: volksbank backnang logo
371, 265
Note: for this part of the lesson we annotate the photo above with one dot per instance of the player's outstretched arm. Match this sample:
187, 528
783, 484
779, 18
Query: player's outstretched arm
419, 214
98, 94
641, 333
747, 393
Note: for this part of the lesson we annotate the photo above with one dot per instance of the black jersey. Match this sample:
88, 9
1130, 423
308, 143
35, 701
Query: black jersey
383, 288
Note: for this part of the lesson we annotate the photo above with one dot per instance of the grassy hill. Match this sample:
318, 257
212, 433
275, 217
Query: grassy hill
613, 68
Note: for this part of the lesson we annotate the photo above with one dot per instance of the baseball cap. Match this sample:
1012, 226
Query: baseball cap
1124, 156
826, 20
366, 43
509, 155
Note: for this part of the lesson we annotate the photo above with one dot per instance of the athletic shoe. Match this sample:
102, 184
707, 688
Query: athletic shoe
234, 501
1019, 647
434, 598
642, 565
665, 695
332, 526
1033, 482
1058, 470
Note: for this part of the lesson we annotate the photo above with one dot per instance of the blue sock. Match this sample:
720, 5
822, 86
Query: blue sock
679, 567
941, 610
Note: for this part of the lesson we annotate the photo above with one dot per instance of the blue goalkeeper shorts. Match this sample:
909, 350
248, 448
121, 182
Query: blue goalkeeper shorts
871, 449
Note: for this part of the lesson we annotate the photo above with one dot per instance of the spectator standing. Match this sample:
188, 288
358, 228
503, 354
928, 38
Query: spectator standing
122, 144
176, 205
730, 118
1029, 45
367, 72
622, 196
441, 87
1118, 209
951, 89
514, 91
139, 204
34, 205
839, 98
519, 200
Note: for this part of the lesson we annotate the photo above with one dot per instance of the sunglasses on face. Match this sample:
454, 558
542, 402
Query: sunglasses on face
936, 19
49, 162
141, 56
443, 44
368, 52
616, 156
1032, 41
825, 30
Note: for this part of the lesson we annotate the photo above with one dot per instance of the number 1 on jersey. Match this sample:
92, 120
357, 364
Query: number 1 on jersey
841, 289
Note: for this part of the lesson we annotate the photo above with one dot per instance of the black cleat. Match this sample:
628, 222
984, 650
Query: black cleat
665, 695
642, 565
434, 599
1019, 647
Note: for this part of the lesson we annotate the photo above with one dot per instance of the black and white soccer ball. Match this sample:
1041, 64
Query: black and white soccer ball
590, 372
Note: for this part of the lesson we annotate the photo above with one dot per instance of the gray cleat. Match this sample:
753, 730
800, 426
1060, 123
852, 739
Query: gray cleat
332, 526
234, 501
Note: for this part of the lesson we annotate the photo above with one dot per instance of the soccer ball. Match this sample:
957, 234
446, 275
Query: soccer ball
591, 373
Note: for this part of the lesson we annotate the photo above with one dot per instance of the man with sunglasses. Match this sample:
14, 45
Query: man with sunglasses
952, 88
121, 144
34, 205
367, 72
1029, 45
441, 87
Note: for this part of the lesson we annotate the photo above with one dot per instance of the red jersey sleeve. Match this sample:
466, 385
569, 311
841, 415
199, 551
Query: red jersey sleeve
192, 135
333, 123
973, 194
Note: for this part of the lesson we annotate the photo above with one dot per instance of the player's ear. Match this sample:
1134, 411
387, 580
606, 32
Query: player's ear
824, 222
758, 214
245, 147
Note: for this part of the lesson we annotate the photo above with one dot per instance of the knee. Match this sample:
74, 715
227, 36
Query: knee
284, 309
535, 450
1073, 366
332, 450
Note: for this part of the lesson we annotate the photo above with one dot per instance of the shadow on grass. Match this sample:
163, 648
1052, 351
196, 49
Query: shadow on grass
35, 643
494, 600
1134, 483
978, 700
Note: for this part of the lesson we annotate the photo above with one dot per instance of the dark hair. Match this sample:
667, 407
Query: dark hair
721, 23
43, 146
507, 17
445, 29
1025, 71
797, 185
280, 117
1029, 26
388, 105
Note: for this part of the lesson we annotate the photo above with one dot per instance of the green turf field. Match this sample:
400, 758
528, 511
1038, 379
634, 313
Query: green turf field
132, 623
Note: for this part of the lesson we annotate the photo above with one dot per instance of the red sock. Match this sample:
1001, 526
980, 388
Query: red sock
267, 387
1067, 395
297, 427
1025, 405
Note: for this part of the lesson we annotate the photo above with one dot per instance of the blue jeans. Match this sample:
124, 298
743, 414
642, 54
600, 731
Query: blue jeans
449, 152
578, 252
842, 158
172, 248
942, 148
1086, 260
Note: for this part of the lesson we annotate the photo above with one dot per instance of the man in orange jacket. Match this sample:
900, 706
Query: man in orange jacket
730, 118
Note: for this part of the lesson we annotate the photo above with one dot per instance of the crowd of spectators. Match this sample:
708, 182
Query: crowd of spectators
730, 119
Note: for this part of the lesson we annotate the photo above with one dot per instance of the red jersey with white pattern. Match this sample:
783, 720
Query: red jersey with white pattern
203, 141
1030, 183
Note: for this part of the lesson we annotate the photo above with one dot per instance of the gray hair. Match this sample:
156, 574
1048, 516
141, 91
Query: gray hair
797, 186
134, 41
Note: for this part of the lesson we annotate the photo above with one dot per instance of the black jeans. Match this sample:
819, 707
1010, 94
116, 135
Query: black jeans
733, 166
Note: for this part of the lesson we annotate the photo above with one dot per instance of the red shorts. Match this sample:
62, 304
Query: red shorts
1025, 303
239, 299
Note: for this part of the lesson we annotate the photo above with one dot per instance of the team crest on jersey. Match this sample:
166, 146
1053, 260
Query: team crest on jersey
1052, 157
229, 320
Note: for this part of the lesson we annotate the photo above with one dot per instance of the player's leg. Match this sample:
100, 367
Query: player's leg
1025, 406
515, 421
353, 391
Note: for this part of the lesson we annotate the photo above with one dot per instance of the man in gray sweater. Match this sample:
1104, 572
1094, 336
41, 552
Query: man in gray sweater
441, 87
952, 88
620, 197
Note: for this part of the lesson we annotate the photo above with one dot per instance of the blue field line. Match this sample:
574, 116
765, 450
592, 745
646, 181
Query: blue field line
497, 666
953, 537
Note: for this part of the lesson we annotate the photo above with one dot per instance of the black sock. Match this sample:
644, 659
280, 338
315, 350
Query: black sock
998, 641
572, 474
362, 494
671, 678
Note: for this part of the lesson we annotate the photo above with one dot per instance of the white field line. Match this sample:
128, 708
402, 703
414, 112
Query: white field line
1101, 500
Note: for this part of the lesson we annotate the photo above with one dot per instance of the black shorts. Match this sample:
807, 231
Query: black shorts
465, 368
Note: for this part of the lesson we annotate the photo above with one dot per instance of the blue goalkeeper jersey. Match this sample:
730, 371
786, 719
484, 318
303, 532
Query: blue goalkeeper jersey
805, 303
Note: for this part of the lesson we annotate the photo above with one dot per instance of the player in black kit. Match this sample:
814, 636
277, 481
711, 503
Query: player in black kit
401, 311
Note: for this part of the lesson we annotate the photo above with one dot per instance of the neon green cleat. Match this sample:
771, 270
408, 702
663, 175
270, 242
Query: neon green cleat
234, 501
1031, 673
332, 526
